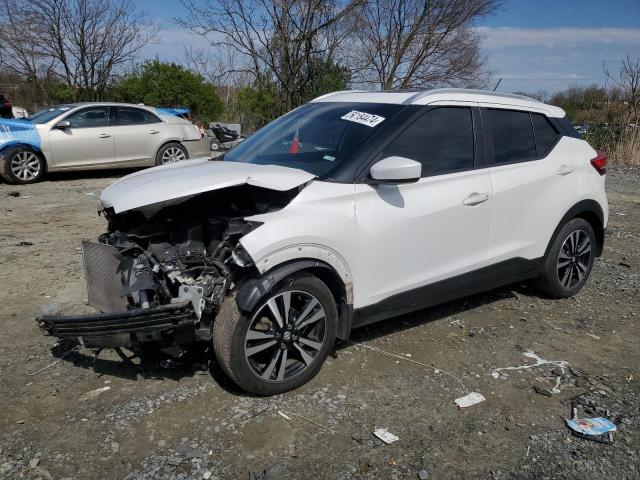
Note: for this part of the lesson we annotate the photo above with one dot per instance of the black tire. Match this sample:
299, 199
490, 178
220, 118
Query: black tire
569, 261
22, 166
231, 343
171, 152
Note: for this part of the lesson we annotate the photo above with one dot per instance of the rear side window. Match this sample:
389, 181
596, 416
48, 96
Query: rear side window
441, 140
546, 134
512, 135
134, 116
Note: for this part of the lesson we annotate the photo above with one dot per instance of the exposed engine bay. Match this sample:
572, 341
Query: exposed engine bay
161, 272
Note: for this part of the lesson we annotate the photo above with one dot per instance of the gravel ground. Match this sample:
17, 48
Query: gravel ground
66, 413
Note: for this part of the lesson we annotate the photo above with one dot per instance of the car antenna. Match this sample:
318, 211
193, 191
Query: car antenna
497, 84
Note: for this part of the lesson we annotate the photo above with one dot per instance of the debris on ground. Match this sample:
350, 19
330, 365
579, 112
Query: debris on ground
24, 244
94, 393
272, 472
561, 364
386, 436
423, 474
13, 194
469, 400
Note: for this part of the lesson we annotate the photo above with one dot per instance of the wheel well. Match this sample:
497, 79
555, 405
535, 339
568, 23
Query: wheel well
255, 288
597, 226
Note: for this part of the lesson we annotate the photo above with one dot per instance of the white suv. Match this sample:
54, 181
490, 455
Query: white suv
353, 208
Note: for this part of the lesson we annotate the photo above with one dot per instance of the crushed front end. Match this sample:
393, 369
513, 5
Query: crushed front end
161, 272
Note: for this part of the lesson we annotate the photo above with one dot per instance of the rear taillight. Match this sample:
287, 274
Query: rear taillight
600, 162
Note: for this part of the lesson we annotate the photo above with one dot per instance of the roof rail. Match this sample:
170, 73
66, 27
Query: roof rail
424, 93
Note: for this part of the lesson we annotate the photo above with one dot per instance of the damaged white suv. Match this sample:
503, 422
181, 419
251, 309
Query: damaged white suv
353, 208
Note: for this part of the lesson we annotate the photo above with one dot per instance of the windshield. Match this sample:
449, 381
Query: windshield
43, 116
316, 137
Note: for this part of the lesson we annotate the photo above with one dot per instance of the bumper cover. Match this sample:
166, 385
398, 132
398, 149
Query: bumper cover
157, 319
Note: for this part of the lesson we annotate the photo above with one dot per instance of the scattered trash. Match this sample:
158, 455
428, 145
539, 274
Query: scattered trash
384, 435
284, 415
621, 214
91, 194
26, 196
596, 429
562, 364
24, 244
13, 194
394, 355
94, 393
593, 336
469, 400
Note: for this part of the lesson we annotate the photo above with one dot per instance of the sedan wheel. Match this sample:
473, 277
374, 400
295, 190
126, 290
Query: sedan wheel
173, 154
25, 166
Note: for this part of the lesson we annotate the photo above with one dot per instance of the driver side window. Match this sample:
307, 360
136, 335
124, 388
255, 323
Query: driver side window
89, 117
441, 140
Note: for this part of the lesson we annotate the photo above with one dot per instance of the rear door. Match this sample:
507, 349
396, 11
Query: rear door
533, 180
412, 235
88, 141
138, 134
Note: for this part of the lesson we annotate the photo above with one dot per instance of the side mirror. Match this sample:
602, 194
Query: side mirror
396, 170
64, 124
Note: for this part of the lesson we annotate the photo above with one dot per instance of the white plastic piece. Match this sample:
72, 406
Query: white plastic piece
384, 435
469, 400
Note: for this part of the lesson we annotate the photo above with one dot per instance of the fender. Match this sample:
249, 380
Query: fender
591, 211
250, 293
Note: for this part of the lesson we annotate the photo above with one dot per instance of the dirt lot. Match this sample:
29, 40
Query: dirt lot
187, 422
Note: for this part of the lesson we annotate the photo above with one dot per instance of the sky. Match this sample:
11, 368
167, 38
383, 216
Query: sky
532, 45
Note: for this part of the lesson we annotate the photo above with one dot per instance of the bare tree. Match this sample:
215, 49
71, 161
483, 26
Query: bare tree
84, 42
278, 40
402, 44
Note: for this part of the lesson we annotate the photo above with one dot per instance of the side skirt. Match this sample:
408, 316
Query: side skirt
483, 279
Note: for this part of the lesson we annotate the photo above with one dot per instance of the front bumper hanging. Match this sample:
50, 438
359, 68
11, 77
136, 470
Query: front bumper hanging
164, 318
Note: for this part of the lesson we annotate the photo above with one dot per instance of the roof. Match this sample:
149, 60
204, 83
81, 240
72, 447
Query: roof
426, 97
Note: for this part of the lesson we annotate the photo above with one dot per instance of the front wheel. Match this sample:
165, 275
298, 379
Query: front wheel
22, 166
171, 152
569, 262
283, 343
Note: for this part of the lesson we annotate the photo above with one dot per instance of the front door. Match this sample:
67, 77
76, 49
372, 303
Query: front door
88, 140
412, 235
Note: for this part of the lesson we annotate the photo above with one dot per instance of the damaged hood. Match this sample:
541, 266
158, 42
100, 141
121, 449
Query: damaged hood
188, 178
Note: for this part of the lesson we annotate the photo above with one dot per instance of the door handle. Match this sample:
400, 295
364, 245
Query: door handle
475, 199
153, 132
565, 169
104, 135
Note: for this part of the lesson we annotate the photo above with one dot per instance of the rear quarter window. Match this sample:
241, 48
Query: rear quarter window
512, 135
546, 135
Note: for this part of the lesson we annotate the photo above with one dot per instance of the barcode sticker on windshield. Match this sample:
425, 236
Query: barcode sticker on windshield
368, 119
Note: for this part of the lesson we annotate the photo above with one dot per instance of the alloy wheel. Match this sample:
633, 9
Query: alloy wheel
285, 336
173, 154
574, 259
25, 165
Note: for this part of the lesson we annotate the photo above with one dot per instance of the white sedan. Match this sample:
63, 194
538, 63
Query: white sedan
85, 136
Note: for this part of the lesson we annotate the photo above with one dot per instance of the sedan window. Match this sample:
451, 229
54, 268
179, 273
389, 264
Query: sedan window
134, 116
89, 117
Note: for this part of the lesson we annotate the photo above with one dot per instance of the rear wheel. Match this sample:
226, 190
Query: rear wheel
569, 262
22, 166
283, 343
171, 152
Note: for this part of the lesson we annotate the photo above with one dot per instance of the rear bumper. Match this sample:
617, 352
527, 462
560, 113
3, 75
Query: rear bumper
165, 318
197, 148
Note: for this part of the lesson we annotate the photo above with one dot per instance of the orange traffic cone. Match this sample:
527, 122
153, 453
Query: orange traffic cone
295, 144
